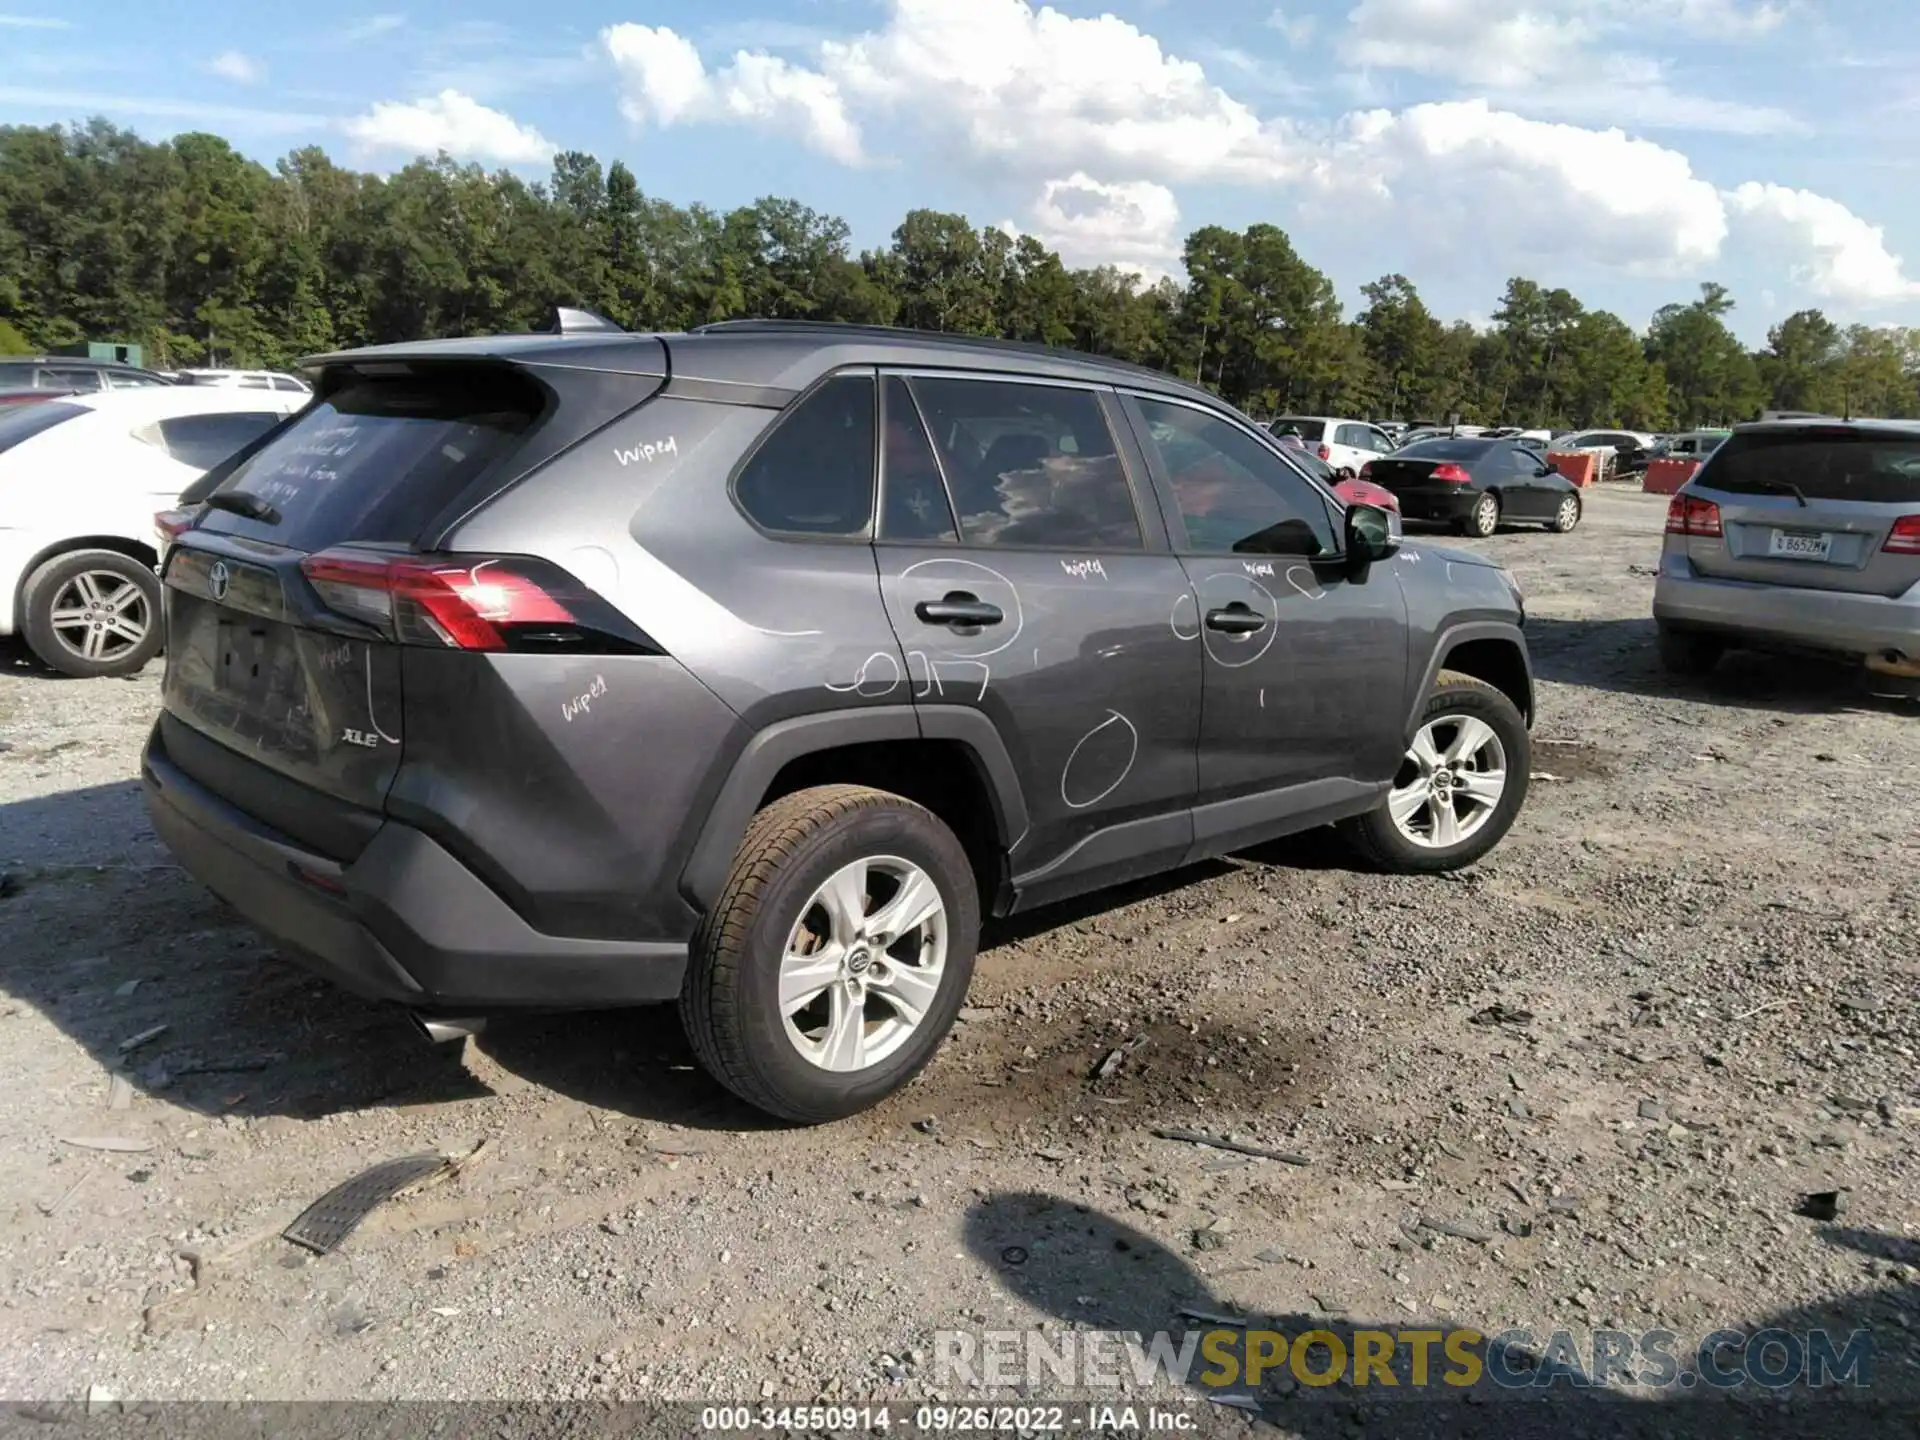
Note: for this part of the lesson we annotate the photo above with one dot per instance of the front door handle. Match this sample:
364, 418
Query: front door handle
959, 608
1236, 619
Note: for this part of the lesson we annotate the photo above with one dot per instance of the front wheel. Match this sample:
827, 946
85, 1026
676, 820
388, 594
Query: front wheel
1463, 780
1484, 518
1567, 516
837, 956
93, 612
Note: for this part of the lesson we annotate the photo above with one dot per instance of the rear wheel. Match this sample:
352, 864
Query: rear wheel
837, 956
1459, 787
1484, 518
93, 612
1567, 516
1683, 652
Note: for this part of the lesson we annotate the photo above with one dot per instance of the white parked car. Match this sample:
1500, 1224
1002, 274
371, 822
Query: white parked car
1343, 444
246, 380
80, 480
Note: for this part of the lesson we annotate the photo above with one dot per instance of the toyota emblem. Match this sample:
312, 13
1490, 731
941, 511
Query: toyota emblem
218, 578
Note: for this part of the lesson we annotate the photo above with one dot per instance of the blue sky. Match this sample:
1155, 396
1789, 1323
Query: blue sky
1627, 149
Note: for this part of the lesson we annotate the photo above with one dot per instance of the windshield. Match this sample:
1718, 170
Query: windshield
1305, 429
1444, 450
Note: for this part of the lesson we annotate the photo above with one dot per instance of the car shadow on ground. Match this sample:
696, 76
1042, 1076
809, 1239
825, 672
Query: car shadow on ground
1621, 656
1089, 1271
164, 985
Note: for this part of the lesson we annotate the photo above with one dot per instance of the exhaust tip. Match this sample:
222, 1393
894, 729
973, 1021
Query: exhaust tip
447, 1032
1894, 662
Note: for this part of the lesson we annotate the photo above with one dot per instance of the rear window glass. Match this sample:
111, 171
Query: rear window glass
1305, 429
22, 422
1876, 469
203, 441
1445, 450
380, 458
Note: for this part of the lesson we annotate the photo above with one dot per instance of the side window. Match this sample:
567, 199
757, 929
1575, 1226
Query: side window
1235, 495
813, 475
1029, 464
16, 377
1524, 461
71, 380
1353, 435
203, 441
1378, 442
913, 502
255, 382
281, 382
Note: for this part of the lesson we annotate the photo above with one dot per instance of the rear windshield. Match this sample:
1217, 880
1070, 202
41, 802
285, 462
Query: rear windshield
31, 418
1876, 469
1444, 450
380, 458
1305, 429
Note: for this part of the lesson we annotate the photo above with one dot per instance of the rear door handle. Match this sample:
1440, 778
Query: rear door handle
959, 608
1236, 619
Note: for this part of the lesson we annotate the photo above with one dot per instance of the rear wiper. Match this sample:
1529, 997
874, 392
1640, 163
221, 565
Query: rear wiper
254, 508
1781, 487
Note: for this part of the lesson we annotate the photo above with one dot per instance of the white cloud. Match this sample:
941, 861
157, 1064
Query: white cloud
370, 28
664, 82
34, 22
1552, 57
453, 122
1830, 251
1041, 92
1474, 178
192, 112
1297, 30
237, 67
1134, 226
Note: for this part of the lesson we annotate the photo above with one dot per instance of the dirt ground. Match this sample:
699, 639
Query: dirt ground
1704, 929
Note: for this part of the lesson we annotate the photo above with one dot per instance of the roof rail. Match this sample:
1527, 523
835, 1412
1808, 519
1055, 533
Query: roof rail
932, 337
566, 320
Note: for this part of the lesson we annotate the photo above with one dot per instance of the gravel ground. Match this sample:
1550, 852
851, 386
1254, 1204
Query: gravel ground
1702, 929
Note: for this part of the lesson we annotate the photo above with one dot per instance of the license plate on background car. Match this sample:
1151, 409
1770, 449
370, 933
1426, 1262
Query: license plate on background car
1800, 545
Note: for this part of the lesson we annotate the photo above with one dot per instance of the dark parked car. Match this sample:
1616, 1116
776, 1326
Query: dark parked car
752, 667
1476, 485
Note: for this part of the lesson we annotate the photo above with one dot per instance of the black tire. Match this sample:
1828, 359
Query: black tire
1380, 842
729, 1003
1567, 516
62, 648
1484, 518
1683, 652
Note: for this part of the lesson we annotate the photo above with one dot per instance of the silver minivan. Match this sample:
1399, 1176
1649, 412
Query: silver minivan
1797, 535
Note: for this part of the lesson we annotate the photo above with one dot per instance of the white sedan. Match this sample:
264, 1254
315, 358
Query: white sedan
80, 480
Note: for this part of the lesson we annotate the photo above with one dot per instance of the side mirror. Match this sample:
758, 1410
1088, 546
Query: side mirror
1371, 534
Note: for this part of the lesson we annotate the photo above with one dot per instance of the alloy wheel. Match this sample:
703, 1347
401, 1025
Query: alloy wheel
100, 615
863, 964
1450, 783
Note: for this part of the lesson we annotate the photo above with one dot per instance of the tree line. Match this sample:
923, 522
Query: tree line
204, 256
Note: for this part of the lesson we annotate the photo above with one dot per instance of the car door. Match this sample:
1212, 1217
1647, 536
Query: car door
1526, 495
1305, 683
1351, 449
1026, 579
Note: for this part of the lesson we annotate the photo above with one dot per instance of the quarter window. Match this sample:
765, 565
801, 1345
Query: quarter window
1235, 495
203, 441
814, 474
1029, 464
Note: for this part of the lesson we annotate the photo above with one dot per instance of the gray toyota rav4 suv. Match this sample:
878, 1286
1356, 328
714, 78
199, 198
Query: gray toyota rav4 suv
752, 667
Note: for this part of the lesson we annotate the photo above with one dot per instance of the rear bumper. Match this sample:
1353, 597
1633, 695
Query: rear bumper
1437, 504
1828, 621
405, 922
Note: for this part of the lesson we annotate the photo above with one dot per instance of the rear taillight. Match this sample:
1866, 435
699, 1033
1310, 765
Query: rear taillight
1366, 471
1904, 538
471, 602
1690, 515
171, 522
1451, 475
1325, 452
